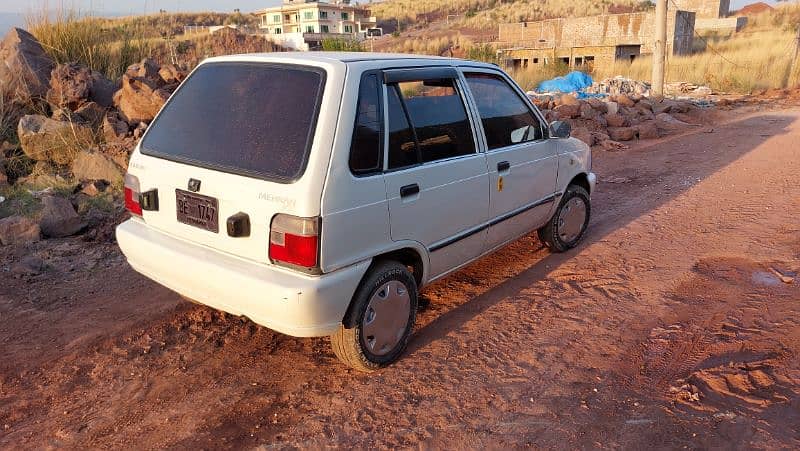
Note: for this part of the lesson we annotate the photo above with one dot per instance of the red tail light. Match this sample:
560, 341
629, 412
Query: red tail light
132, 195
294, 241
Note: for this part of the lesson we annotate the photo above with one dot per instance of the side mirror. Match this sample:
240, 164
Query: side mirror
560, 129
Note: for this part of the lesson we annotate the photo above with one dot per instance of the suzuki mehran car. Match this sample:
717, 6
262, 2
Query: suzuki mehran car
316, 193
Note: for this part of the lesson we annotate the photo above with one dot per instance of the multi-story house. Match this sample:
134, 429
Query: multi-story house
303, 24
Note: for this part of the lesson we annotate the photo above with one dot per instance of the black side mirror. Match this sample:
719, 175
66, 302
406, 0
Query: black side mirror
560, 129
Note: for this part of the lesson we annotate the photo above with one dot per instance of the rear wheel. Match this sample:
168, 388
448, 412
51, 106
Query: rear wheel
381, 318
567, 226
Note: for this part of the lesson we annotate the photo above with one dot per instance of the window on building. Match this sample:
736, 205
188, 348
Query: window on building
536, 61
323, 14
308, 15
348, 28
287, 17
565, 60
525, 62
366, 154
277, 31
276, 18
427, 122
345, 16
324, 29
506, 118
309, 28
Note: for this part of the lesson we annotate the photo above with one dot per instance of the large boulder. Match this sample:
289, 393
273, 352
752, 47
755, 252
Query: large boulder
59, 218
103, 90
667, 122
583, 134
139, 100
114, 128
94, 165
24, 67
91, 113
70, 86
647, 130
171, 74
44, 139
18, 229
621, 133
568, 111
615, 120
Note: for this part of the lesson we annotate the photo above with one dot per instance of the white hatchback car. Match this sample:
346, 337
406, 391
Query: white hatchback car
315, 193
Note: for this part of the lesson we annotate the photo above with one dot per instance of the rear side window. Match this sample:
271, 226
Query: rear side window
427, 122
253, 119
365, 148
506, 118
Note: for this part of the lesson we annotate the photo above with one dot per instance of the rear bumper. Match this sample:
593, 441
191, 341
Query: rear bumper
291, 303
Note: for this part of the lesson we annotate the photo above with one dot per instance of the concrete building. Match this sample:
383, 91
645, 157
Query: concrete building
704, 9
303, 24
583, 42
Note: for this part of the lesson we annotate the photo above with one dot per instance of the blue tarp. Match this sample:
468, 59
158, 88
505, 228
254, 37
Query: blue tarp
572, 82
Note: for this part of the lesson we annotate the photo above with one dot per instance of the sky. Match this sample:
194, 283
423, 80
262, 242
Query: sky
115, 7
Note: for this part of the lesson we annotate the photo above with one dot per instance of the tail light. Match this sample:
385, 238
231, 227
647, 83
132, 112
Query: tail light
132, 195
294, 240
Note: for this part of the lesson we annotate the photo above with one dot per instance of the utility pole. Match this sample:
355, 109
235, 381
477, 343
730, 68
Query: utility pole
659, 52
794, 76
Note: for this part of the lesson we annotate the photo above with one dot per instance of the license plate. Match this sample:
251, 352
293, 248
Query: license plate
197, 210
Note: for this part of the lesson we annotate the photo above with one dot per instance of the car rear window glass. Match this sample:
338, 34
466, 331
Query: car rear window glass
506, 118
254, 119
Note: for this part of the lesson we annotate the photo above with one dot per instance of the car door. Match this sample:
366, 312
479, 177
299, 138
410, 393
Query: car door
436, 180
521, 161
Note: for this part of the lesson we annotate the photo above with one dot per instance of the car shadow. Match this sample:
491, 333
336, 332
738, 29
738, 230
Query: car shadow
672, 167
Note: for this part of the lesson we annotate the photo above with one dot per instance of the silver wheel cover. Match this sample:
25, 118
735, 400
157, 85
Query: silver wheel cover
571, 219
386, 317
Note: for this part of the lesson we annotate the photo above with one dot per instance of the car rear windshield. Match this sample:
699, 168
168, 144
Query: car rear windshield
253, 119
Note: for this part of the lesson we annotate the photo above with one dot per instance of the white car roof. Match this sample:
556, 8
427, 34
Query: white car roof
340, 57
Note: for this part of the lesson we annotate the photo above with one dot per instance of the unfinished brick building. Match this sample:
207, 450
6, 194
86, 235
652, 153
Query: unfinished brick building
582, 42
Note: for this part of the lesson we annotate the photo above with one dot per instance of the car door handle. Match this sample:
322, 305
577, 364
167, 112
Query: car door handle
409, 190
503, 166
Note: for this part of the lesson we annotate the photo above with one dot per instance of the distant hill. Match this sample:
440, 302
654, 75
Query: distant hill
10, 20
753, 9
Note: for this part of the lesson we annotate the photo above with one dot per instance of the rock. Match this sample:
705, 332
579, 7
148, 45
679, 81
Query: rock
612, 107
24, 66
94, 165
615, 120
114, 128
91, 113
29, 265
621, 133
662, 106
70, 85
569, 99
145, 69
138, 132
138, 101
583, 134
647, 130
568, 111
598, 104
612, 146
65, 115
587, 112
103, 89
93, 188
171, 74
44, 139
18, 229
59, 218
624, 100
667, 122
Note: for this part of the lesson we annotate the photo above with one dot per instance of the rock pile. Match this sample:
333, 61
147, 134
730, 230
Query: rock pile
618, 118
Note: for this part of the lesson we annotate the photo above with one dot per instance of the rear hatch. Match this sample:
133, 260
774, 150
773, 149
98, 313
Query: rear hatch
233, 142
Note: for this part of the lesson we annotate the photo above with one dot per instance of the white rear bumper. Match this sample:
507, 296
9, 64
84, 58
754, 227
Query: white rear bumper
288, 302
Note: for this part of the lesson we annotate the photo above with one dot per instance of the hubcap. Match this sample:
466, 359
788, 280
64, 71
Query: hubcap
571, 220
386, 317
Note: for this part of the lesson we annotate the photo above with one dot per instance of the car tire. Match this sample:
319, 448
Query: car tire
381, 318
568, 224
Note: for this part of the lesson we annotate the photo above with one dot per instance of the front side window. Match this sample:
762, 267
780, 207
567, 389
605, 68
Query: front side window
506, 118
427, 122
365, 149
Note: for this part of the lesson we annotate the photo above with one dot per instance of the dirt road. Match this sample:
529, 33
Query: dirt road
668, 328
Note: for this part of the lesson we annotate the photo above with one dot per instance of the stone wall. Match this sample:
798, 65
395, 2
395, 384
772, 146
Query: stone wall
727, 24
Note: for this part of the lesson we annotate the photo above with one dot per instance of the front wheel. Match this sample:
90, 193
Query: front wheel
382, 316
567, 226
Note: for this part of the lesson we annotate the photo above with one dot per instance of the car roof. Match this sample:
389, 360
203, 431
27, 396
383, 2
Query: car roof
343, 57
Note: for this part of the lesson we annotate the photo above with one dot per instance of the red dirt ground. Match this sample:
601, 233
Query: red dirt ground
667, 328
